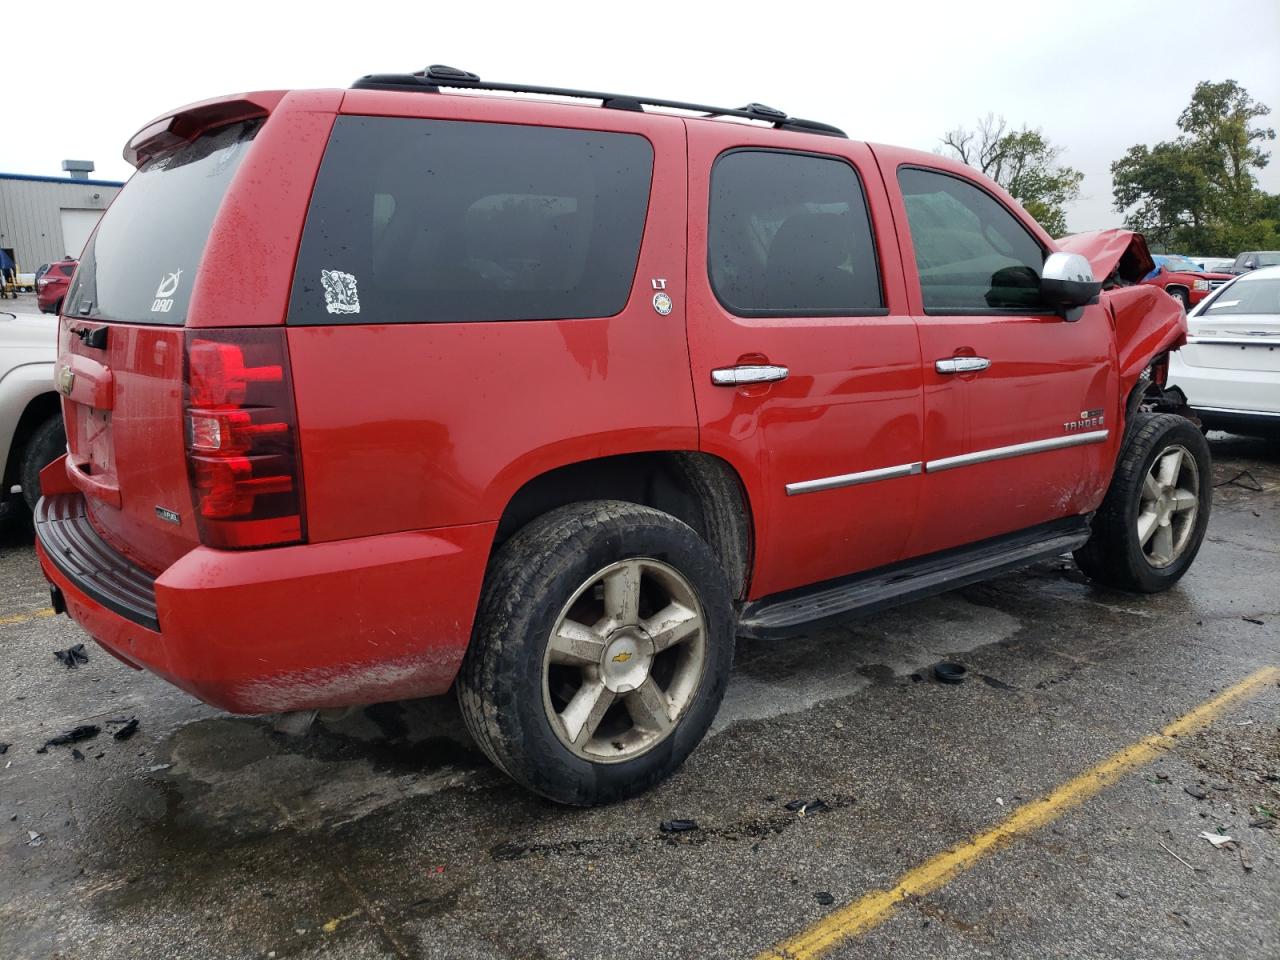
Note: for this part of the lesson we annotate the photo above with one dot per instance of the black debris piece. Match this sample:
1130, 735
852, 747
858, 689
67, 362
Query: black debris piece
4, 748
824, 898
997, 683
72, 657
804, 807
948, 671
77, 754
86, 731
678, 826
1196, 792
1260, 623
128, 730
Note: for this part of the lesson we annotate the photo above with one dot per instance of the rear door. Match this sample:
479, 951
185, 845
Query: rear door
141, 281
806, 365
1017, 400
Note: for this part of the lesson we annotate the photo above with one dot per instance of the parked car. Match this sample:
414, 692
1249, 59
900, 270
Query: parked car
1183, 280
51, 288
1213, 264
1229, 369
610, 387
31, 433
1253, 259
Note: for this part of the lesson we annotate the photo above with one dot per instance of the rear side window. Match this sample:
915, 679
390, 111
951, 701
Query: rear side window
972, 253
141, 264
789, 235
66, 269
438, 221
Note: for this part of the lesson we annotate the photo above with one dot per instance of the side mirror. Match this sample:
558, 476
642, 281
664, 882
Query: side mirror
1251, 264
1066, 282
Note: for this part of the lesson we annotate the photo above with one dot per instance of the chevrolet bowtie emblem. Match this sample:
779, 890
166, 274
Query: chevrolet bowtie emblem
622, 657
66, 380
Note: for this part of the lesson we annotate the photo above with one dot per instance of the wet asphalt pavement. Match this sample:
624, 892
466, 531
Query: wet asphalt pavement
383, 833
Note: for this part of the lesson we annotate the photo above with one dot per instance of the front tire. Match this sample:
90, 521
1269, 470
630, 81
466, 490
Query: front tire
600, 654
1153, 518
1181, 296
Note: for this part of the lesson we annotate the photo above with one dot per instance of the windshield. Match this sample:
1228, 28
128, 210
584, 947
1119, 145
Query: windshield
1246, 295
141, 264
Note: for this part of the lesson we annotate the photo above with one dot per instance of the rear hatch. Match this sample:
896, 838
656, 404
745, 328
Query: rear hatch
122, 346
1239, 329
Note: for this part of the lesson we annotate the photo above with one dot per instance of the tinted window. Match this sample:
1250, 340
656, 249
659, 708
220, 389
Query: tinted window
971, 252
788, 235
141, 264
431, 221
66, 269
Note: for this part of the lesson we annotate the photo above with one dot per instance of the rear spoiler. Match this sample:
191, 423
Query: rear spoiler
172, 130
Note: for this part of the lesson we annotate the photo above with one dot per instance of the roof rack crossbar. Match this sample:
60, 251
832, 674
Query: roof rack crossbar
438, 75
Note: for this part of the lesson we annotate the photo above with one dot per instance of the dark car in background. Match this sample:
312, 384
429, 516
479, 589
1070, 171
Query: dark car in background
1253, 259
52, 286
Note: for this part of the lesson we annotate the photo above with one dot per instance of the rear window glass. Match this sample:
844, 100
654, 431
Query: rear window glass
66, 269
438, 221
788, 235
1248, 295
141, 264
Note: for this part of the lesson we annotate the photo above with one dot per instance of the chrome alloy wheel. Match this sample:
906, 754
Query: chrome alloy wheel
1168, 505
624, 660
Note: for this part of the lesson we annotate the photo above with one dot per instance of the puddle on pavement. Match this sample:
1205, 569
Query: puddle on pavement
238, 778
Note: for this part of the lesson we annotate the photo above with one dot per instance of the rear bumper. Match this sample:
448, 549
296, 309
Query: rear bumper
1225, 388
291, 628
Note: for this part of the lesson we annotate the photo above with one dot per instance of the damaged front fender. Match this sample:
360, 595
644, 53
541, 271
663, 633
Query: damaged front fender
1146, 320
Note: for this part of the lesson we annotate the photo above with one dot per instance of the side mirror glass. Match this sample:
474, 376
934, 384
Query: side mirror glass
1066, 282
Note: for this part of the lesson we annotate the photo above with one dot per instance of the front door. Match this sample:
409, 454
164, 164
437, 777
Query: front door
805, 361
1018, 400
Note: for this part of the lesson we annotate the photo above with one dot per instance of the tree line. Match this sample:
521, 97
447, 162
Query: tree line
1197, 193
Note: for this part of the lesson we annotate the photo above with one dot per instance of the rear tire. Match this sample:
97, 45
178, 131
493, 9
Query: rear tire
574, 684
1153, 518
44, 446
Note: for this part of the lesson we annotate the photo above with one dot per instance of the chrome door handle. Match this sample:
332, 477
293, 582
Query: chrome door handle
961, 364
748, 373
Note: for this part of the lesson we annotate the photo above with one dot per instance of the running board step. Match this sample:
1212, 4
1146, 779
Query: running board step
788, 613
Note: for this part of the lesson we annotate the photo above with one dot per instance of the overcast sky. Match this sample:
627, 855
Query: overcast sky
1097, 77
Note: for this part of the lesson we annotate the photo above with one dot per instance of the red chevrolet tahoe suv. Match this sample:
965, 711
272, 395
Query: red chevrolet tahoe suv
555, 400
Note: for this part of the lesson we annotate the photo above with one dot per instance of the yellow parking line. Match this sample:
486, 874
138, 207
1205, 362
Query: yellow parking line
874, 908
24, 617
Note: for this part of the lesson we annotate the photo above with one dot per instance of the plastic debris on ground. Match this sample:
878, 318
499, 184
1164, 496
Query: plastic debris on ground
129, 728
948, 671
824, 898
72, 657
86, 731
804, 807
678, 826
1217, 839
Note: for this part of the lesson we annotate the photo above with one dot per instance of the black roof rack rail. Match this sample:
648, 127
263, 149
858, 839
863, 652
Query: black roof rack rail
438, 75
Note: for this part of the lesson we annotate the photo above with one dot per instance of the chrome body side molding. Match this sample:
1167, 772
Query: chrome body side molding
853, 479
1016, 450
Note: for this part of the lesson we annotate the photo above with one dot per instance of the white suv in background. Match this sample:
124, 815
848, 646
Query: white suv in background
31, 433
1229, 369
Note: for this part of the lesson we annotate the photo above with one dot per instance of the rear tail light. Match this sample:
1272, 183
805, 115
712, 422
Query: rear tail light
242, 438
